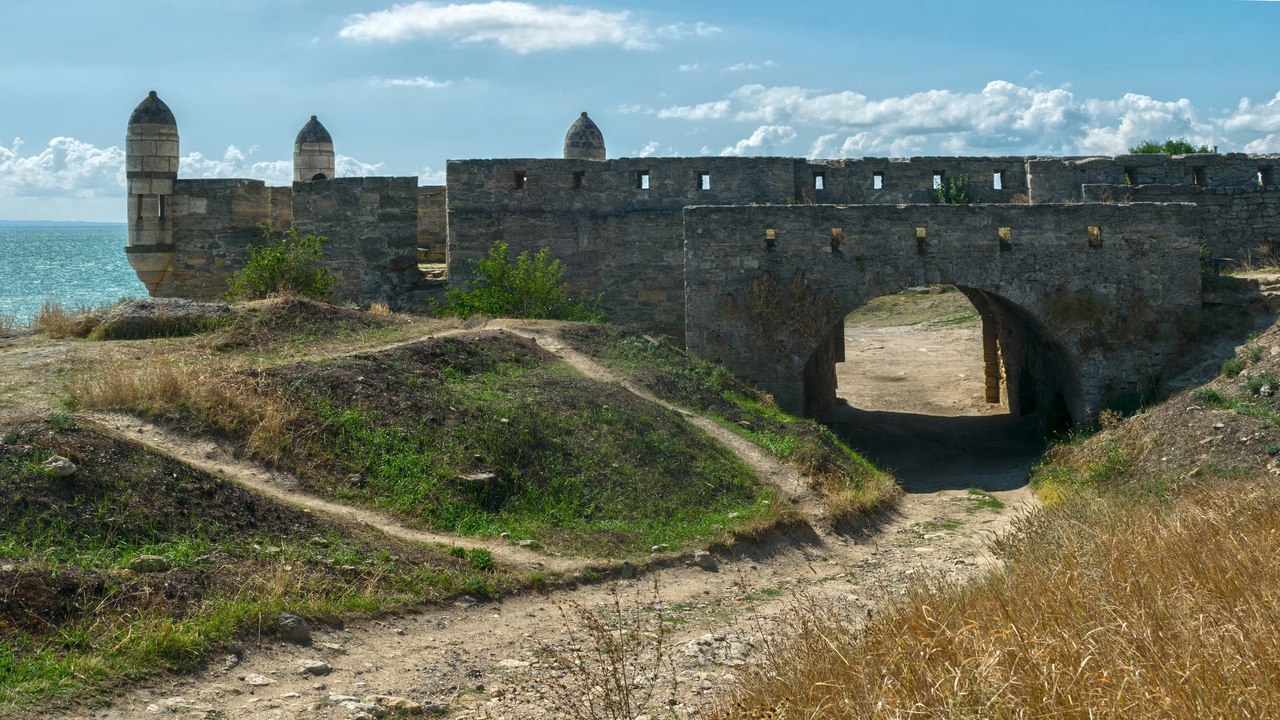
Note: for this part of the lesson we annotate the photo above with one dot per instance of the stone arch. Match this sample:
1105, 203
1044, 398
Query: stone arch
1040, 374
319, 176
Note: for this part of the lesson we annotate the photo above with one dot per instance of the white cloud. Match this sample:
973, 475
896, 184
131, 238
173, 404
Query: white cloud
424, 82
1001, 118
649, 150
763, 141
430, 177
65, 165
705, 111
743, 66
686, 30
517, 26
691, 67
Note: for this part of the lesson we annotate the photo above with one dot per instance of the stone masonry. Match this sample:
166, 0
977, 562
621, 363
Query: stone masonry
1079, 267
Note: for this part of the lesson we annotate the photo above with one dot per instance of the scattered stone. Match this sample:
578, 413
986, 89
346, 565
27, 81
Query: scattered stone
292, 628
149, 564
400, 705
179, 706
465, 601
367, 709
525, 543
626, 571
59, 466
313, 667
705, 560
257, 680
511, 664
660, 548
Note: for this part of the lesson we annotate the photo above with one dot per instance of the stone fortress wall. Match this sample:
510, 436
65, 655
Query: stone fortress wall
636, 230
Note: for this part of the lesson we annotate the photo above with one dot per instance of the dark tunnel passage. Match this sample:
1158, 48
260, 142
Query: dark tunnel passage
962, 400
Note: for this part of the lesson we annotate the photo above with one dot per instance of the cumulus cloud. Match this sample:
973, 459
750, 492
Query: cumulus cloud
705, 111
1002, 117
517, 26
423, 82
764, 141
65, 165
427, 176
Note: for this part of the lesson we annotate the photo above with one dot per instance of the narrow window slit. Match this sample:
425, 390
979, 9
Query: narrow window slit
770, 238
704, 181
922, 240
1197, 176
997, 180
642, 180
937, 181
579, 178
1006, 238
520, 178
819, 181
877, 181
837, 239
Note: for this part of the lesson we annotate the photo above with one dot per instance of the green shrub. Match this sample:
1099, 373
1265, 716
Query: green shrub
1169, 147
287, 265
1232, 366
954, 191
531, 287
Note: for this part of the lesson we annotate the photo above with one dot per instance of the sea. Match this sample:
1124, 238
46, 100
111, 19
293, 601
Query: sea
77, 265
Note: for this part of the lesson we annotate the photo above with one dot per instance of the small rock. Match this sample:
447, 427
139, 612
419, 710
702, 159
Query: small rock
626, 571
705, 560
525, 543
257, 680
313, 667
465, 601
660, 548
149, 564
8, 568
292, 628
512, 664
401, 705
59, 465
177, 705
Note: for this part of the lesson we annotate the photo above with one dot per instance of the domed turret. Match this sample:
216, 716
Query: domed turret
313, 157
151, 166
584, 141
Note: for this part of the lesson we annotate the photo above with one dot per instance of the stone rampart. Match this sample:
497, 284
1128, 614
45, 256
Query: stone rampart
1086, 299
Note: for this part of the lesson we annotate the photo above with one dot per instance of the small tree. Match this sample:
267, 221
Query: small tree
532, 287
954, 191
288, 264
1170, 146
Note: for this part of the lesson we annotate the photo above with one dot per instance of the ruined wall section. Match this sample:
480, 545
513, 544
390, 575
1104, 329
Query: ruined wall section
1098, 289
617, 225
1058, 180
432, 224
1241, 223
372, 226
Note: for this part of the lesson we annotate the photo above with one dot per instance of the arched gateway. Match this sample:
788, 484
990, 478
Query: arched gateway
1084, 302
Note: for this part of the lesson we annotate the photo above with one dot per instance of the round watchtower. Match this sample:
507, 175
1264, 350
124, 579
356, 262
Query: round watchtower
313, 153
151, 167
584, 141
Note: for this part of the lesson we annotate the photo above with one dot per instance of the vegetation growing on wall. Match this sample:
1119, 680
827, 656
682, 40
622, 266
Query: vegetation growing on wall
1170, 146
286, 265
531, 287
954, 191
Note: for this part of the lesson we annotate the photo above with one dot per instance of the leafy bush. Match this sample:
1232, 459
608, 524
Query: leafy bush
532, 287
1169, 147
287, 265
954, 191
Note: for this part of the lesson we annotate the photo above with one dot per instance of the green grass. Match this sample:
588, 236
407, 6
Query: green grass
1252, 405
542, 454
851, 484
983, 500
76, 622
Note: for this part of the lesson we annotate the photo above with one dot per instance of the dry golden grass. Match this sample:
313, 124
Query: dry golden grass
7, 323
1108, 608
232, 404
55, 320
380, 309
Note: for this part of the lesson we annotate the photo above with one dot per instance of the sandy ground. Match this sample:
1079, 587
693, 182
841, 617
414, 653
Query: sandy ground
916, 406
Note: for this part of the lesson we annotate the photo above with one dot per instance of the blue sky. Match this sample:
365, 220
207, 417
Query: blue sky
404, 87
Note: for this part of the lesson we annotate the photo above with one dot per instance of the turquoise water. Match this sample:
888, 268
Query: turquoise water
76, 265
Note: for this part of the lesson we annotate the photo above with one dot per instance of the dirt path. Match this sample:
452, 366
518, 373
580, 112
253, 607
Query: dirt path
497, 659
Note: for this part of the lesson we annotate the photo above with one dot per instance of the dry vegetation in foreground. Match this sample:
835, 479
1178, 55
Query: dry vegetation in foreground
1148, 588
1107, 608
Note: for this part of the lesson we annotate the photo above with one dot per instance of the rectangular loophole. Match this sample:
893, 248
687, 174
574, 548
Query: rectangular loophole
704, 181
1006, 238
1095, 236
160, 206
579, 178
770, 238
1197, 176
1264, 177
1128, 176
837, 239
520, 179
642, 180
937, 181
922, 240
997, 180
877, 181
819, 181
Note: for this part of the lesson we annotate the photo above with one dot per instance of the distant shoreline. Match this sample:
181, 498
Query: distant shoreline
59, 223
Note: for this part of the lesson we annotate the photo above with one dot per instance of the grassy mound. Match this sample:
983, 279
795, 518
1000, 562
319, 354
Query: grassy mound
476, 434
76, 615
851, 485
261, 324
